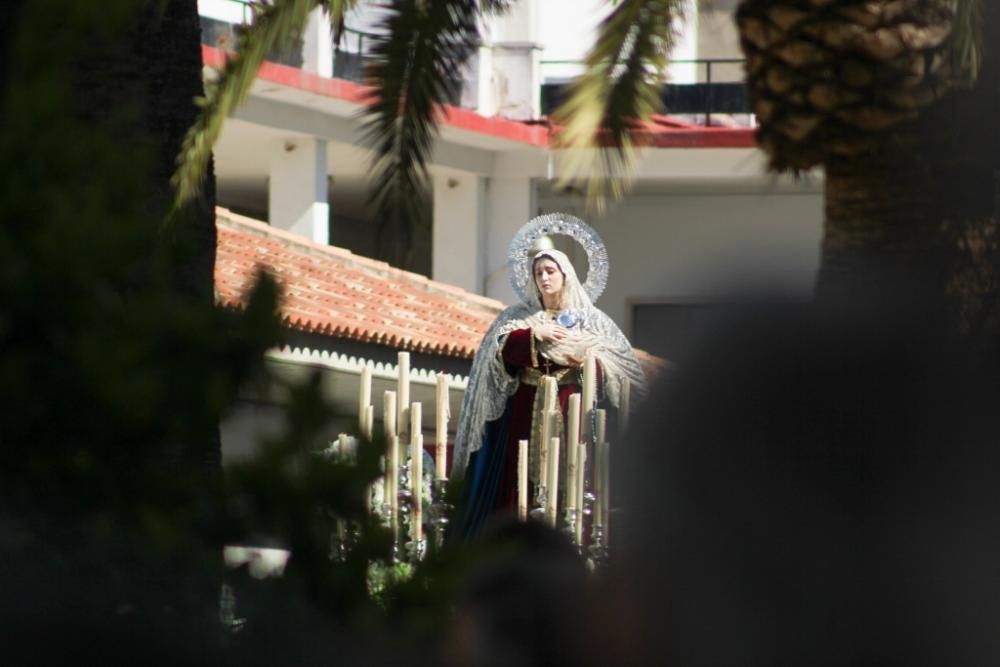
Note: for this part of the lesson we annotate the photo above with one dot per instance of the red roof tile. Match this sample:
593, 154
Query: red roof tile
336, 293
333, 292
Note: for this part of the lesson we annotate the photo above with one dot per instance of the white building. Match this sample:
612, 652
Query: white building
704, 221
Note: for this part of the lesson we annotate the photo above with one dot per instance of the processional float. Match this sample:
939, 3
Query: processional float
572, 489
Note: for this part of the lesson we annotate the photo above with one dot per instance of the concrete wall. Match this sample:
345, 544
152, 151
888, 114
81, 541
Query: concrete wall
694, 246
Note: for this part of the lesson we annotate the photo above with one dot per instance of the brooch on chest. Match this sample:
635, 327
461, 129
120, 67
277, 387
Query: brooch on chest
571, 318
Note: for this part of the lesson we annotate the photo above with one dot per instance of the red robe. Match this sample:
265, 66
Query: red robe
518, 353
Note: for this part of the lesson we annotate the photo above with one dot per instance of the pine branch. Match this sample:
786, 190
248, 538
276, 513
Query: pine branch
618, 91
417, 69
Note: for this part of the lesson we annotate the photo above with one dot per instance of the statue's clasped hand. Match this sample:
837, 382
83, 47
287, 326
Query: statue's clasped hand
550, 333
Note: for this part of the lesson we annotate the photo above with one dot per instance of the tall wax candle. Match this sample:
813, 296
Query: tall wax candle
522, 479
581, 471
389, 427
343, 448
549, 389
403, 395
624, 411
572, 439
553, 506
394, 474
599, 464
364, 398
417, 482
606, 486
589, 395
389, 413
441, 429
601, 421
369, 430
416, 420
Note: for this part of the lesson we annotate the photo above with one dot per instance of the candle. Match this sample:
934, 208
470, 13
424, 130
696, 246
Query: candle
589, 395
394, 475
369, 429
572, 439
389, 413
416, 420
391, 456
343, 448
441, 423
606, 487
625, 407
416, 479
549, 388
364, 398
553, 506
599, 465
403, 394
522, 480
581, 468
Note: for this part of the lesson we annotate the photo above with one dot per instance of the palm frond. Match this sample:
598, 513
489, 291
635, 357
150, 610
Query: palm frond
967, 38
417, 68
617, 92
496, 6
337, 9
273, 24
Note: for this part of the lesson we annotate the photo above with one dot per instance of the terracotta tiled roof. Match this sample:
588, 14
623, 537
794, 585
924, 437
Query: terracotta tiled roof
331, 291
334, 292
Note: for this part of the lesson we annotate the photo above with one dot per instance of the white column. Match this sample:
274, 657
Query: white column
317, 44
510, 203
297, 189
457, 241
516, 72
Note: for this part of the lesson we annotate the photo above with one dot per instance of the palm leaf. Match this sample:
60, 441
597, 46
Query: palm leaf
417, 68
496, 6
275, 22
617, 92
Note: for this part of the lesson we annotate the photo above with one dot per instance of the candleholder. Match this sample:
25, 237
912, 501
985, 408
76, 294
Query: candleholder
416, 550
402, 527
569, 524
339, 541
541, 502
440, 509
598, 551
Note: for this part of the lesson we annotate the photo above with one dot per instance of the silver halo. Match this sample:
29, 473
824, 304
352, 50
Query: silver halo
519, 256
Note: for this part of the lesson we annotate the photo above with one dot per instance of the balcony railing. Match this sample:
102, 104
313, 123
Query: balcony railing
221, 19
716, 87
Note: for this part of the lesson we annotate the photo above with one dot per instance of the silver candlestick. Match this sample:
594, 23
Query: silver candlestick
541, 503
440, 509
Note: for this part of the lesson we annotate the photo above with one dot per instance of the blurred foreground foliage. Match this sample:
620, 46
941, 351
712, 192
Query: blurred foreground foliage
114, 374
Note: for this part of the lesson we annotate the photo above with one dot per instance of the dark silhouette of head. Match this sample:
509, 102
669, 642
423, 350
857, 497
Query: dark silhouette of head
811, 488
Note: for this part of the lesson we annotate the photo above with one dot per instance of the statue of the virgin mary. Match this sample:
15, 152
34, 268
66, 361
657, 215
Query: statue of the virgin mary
549, 333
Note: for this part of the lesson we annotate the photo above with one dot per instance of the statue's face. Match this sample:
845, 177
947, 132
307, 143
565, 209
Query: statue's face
548, 277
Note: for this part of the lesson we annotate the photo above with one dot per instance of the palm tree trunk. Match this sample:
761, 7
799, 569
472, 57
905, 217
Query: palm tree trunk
917, 222
152, 72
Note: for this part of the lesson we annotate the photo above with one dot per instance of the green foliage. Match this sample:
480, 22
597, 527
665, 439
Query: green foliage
617, 92
112, 512
417, 69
